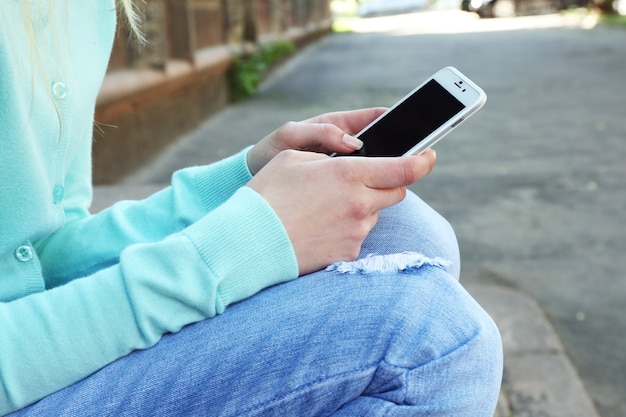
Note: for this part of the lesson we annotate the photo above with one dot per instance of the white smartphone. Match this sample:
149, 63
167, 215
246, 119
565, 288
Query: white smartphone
424, 116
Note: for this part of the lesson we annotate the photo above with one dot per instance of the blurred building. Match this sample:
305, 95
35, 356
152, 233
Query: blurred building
155, 92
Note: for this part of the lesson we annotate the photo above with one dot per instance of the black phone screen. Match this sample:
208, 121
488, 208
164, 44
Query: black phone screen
410, 122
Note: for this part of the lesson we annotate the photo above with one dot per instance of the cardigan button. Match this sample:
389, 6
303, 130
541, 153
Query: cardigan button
57, 193
59, 90
24, 253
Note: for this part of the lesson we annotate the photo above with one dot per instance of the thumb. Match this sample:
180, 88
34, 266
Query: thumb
394, 172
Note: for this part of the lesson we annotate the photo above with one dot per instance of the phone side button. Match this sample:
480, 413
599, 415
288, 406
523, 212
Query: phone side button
455, 124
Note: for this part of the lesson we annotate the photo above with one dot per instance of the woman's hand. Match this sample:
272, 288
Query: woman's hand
327, 133
329, 205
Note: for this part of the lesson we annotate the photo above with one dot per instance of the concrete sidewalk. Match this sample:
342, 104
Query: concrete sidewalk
539, 377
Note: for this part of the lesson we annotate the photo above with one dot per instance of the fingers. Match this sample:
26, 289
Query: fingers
319, 137
383, 180
391, 172
351, 122
322, 138
328, 133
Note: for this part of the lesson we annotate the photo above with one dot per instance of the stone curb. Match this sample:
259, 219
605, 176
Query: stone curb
539, 378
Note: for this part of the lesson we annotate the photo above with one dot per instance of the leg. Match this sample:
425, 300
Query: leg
411, 343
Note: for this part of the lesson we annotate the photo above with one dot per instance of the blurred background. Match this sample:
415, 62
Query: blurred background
204, 54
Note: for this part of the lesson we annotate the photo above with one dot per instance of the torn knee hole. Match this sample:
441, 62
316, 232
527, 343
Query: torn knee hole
395, 262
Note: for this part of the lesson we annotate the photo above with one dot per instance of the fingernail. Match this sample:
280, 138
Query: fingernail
429, 150
352, 142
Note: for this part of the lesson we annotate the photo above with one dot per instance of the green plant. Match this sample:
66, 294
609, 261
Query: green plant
248, 71
614, 19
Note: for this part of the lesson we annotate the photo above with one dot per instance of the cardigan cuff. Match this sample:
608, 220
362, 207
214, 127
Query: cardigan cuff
245, 245
217, 182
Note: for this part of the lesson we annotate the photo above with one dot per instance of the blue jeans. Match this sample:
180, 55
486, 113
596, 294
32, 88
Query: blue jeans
392, 343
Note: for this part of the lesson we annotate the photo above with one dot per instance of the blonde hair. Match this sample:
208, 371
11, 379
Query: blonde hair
127, 8
133, 18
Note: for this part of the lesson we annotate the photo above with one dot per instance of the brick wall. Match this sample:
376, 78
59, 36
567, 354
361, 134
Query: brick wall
156, 92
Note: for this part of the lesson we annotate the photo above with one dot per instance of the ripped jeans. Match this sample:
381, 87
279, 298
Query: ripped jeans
387, 336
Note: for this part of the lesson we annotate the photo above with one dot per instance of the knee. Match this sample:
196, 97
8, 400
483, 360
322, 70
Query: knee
480, 355
426, 222
414, 226
459, 362
477, 364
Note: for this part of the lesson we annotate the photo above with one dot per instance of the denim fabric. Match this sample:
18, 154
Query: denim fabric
409, 343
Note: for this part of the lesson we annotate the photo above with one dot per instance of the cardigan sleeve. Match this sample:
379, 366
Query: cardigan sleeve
88, 243
234, 251
122, 278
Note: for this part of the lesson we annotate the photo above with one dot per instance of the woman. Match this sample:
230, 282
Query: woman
187, 303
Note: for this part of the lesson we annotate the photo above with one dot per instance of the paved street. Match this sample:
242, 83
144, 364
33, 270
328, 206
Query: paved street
534, 184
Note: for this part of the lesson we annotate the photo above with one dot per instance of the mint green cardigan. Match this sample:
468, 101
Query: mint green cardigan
78, 291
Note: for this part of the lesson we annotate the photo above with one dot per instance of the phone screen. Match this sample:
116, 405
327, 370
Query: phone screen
410, 122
